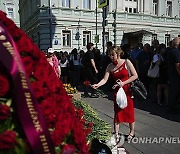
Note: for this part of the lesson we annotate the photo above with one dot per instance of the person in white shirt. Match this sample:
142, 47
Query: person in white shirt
64, 68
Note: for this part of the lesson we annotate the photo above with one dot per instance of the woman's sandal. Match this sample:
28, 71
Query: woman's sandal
129, 137
117, 137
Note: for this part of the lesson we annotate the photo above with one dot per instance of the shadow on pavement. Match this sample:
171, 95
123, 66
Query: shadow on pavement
154, 109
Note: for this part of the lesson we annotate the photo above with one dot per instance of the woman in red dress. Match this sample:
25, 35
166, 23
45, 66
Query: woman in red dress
118, 69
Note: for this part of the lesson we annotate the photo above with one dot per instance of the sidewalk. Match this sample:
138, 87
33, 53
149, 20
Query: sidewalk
159, 130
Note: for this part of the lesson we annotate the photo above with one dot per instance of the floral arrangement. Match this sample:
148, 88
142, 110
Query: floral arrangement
69, 89
65, 123
100, 129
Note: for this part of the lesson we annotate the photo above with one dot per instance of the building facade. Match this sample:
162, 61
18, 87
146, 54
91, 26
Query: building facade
11, 8
67, 24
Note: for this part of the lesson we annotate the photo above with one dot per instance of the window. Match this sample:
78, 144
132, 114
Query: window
66, 38
10, 11
106, 37
179, 9
167, 39
154, 37
130, 10
86, 4
86, 38
155, 7
169, 9
66, 3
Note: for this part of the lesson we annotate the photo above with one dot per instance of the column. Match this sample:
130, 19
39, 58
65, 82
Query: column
120, 5
162, 8
140, 6
147, 4
119, 37
73, 4
175, 8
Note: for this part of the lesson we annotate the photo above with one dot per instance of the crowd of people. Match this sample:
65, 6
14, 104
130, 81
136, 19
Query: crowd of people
79, 66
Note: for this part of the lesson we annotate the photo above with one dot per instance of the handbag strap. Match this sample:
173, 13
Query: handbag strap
129, 72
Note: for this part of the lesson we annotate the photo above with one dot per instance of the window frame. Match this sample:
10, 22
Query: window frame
155, 7
67, 3
85, 38
167, 39
86, 6
106, 37
66, 38
154, 37
169, 9
8, 6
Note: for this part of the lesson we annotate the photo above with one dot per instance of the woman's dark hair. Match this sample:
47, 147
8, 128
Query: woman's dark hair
89, 45
74, 52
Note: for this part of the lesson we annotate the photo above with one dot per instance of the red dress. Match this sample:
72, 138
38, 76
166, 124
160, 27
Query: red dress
126, 114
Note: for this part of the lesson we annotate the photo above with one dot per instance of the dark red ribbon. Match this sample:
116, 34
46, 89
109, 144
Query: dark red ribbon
30, 115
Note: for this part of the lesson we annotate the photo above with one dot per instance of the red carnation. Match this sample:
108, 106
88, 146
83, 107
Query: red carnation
4, 112
29, 64
48, 105
90, 124
68, 149
25, 44
87, 83
4, 86
7, 140
38, 88
80, 113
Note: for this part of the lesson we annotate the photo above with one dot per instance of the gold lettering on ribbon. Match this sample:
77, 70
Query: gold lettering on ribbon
2, 37
32, 112
44, 143
29, 102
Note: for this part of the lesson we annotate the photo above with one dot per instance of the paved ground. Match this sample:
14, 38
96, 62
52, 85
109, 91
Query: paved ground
152, 122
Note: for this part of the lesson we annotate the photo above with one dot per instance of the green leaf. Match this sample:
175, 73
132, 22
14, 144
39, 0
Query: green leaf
58, 150
9, 102
21, 147
32, 79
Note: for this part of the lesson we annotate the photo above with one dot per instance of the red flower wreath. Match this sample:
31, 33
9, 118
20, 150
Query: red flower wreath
67, 127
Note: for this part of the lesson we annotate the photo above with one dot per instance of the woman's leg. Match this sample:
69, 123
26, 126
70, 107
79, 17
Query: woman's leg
116, 130
132, 127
